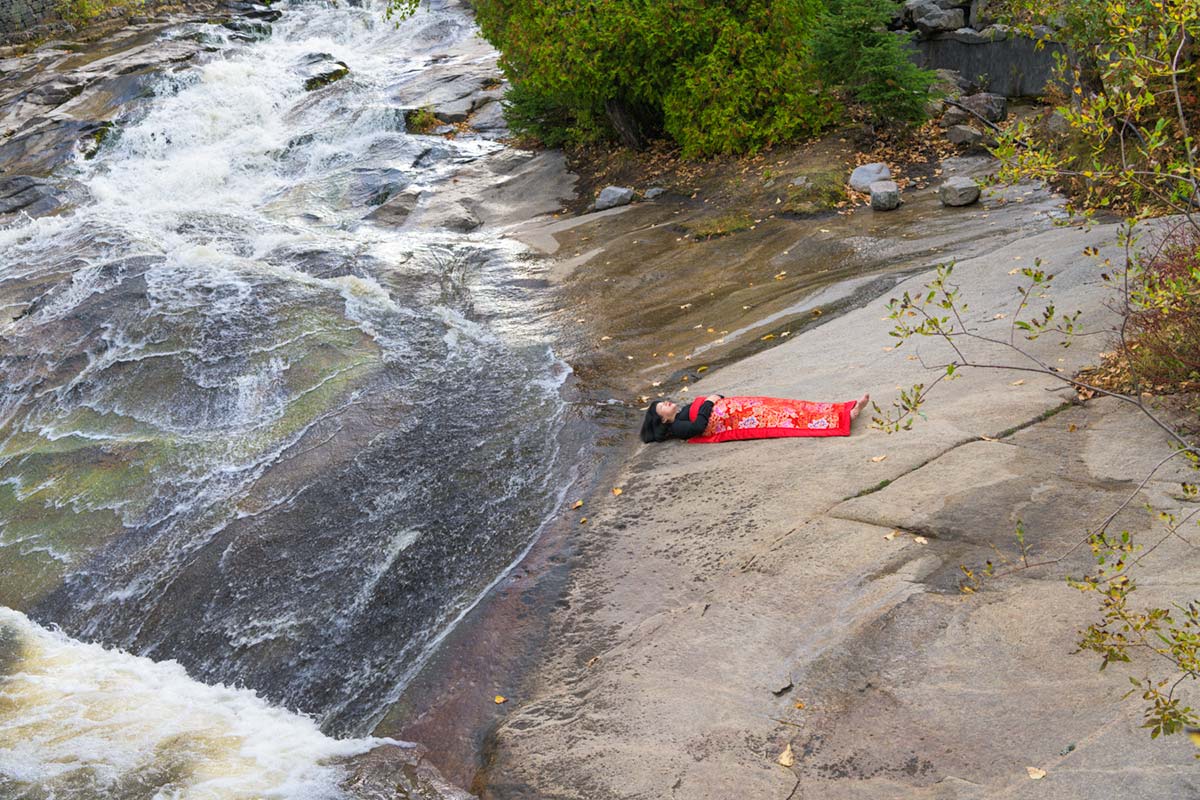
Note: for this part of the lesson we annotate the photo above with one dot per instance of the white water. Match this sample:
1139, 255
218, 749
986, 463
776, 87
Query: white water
81, 722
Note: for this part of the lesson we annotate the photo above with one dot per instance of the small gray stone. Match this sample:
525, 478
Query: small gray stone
964, 135
442, 130
862, 178
613, 196
959, 192
655, 192
802, 182
885, 195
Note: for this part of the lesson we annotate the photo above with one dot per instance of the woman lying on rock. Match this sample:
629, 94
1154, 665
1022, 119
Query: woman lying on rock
717, 418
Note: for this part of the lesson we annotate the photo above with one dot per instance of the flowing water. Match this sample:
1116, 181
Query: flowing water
243, 429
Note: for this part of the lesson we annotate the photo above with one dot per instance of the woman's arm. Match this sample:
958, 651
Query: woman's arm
683, 429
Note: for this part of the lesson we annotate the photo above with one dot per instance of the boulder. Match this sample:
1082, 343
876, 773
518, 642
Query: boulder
954, 115
964, 135
321, 69
959, 192
929, 17
885, 195
992, 107
654, 193
613, 196
862, 177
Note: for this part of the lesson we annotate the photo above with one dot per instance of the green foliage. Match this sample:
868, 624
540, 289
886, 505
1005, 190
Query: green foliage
1165, 312
1132, 109
857, 52
420, 120
716, 77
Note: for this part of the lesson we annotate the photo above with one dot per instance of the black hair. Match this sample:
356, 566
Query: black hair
653, 428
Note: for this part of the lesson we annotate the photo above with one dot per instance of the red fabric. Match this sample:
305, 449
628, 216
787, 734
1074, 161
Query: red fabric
736, 418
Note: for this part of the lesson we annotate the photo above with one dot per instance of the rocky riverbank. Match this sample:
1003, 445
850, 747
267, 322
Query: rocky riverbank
741, 602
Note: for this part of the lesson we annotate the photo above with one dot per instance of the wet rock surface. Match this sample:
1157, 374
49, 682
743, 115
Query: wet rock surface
738, 600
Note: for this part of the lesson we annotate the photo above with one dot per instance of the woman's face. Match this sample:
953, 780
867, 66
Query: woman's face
666, 410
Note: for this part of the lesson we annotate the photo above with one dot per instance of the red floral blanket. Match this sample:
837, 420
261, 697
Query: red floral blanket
771, 417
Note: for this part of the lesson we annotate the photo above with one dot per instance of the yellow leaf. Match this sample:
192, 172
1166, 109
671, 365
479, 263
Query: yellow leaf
1018, 383
1035, 774
701, 369
920, 540
1194, 735
891, 536
617, 491
787, 758
877, 459
799, 706
501, 699
583, 521
768, 337
1071, 428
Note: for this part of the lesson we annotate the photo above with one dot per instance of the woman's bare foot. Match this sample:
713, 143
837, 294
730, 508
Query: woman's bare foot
859, 405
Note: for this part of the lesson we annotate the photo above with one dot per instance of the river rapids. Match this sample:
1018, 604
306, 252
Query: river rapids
248, 437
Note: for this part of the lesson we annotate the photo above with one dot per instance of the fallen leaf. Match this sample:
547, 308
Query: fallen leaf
577, 504
1000, 316
1072, 428
787, 758
701, 369
877, 459
592, 661
1035, 774
583, 521
501, 699
768, 337
617, 491
799, 706
1019, 383
685, 306
891, 536
606, 338
920, 540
